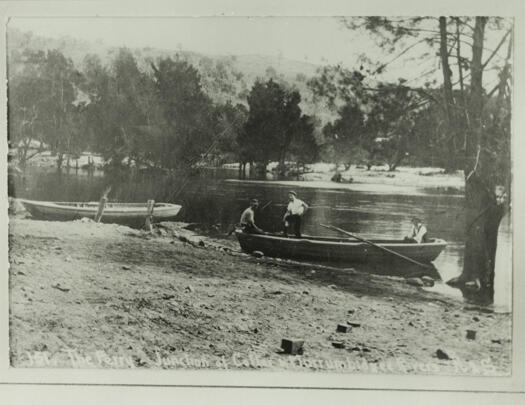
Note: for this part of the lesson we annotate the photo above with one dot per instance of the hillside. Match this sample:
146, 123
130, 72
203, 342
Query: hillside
240, 71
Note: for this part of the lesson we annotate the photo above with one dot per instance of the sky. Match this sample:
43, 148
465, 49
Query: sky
318, 40
312, 39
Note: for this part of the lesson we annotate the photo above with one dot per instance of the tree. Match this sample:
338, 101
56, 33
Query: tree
274, 121
230, 120
187, 113
485, 147
304, 148
43, 103
346, 135
26, 92
376, 120
487, 174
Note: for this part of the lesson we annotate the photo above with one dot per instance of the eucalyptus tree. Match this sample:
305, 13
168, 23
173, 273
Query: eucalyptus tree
187, 112
275, 122
477, 113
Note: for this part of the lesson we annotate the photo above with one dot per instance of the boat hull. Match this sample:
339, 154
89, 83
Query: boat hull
130, 214
338, 250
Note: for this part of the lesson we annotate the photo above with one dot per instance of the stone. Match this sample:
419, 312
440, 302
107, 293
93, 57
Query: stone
415, 281
292, 346
475, 318
61, 288
428, 281
257, 253
189, 288
126, 268
471, 334
338, 345
343, 328
442, 355
353, 324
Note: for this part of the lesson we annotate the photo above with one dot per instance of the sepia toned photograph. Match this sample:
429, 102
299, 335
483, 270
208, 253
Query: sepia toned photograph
317, 195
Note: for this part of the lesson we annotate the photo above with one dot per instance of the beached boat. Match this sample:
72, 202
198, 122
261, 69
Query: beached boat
133, 214
338, 249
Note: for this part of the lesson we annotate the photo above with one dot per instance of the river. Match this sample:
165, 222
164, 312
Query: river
215, 199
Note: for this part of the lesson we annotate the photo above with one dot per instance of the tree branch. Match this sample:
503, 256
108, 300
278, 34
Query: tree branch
381, 67
497, 49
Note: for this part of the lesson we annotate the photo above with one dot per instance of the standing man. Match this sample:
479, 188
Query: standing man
248, 218
294, 212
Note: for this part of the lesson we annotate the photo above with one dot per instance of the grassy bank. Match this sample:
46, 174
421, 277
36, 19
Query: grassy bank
94, 295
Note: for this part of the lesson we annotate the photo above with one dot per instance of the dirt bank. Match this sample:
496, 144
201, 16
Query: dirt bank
93, 295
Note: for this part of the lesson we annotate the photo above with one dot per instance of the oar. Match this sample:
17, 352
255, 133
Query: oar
377, 246
266, 205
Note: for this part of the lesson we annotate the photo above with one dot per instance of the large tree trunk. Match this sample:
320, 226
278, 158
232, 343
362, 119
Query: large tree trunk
483, 213
448, 97
483, 216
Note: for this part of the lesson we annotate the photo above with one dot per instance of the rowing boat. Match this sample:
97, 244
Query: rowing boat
132, 214
338, 249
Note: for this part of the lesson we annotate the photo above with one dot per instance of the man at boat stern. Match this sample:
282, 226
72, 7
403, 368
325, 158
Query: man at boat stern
248, 218
294, 213
418, 234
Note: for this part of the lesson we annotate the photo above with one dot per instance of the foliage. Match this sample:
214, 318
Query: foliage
275, 123
477, 122
42, 104
230, 120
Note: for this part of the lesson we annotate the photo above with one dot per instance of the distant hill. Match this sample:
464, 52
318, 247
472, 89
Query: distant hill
251, 67
225, 78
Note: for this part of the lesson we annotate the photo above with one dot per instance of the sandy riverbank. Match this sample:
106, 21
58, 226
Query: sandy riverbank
93, 295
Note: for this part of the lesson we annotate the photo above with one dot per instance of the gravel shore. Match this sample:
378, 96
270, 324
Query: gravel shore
90, 295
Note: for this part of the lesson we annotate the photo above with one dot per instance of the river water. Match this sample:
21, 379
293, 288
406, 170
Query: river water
216, 198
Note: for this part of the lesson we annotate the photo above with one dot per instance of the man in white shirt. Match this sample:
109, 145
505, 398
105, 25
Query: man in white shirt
418, 234
294, 212
248, 218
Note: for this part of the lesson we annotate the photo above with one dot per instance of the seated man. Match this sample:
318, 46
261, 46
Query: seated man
248, 218
418, 234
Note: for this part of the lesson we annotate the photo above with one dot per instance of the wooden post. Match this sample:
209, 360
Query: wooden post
101, 206
149, 215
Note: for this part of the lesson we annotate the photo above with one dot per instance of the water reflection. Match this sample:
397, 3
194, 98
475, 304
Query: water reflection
214, 198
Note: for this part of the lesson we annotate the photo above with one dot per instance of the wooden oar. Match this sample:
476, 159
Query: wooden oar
377, 246
266, 205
